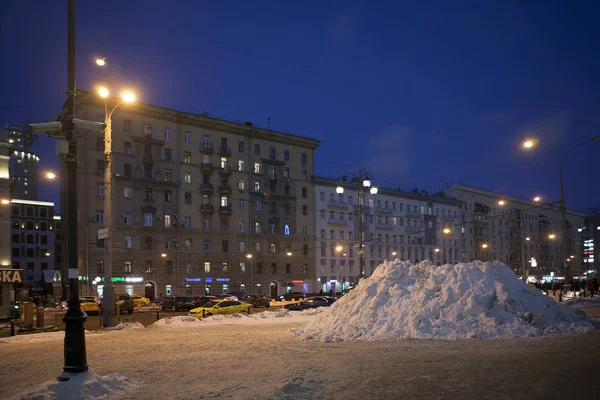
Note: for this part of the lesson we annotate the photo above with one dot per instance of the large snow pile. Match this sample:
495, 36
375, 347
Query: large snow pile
579, 302
127, 326
423, 301
84, 386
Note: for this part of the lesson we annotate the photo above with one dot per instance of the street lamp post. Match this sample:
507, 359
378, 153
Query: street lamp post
108, 292
75, 357
363, 180
528, 144
249, 256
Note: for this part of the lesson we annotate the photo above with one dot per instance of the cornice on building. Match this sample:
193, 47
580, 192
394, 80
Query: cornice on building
86, 98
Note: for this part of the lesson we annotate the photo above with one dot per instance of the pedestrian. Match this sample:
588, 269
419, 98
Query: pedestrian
331, 292
160, 298
591, 287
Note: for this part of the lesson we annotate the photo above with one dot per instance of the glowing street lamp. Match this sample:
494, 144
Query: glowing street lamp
528, 238
437, 250
529, 143
447, 231
537, 199
5, 201
501, 202
163, 255
50, 175
338, 248
394, 253
552, 236
289, 253
101, 62
249, 256
485, 246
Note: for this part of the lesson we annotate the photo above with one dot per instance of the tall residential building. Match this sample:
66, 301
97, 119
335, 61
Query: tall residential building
410, 225
518, 232
32, 230
23, 162
6, 288
590, 233
193, 197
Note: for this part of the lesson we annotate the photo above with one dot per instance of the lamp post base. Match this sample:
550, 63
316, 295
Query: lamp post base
75, 351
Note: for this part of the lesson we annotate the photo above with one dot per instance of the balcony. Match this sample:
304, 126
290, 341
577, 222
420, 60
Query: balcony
207, 208
225, 171
225, 210
383, 210
225, 189
337, 221
207, 167
224, 151
273, 177
206, 188
337, 204
206, 148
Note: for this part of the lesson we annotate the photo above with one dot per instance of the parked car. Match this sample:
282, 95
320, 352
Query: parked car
257, 300
90, 306
179, 303
311, 302
94, 298
288, 296
238, 295
144, 301
220, 307
127, 305
227, 296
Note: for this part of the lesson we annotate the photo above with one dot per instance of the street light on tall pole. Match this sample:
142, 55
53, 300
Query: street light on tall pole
108, 292
363, 180
249, 257
532, 143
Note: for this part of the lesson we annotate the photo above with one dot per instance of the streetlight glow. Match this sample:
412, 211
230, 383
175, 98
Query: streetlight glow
537, 199
446, 231
339, 190
50, 175
501, 203
163, 255
485, 246
248, 256
437, 250
367, 183
128, 96
338, 248
551, 236
101, 62
394, 253
289, 253
374, 190
5, 201
103, 92
528, 144
528, 238
572, 257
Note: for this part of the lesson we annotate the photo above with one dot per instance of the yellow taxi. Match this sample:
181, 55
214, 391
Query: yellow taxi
220, 307
144, 301
90, 306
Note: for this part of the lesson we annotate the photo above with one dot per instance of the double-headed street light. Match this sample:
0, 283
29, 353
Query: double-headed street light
532, 143
108, 290
363, 180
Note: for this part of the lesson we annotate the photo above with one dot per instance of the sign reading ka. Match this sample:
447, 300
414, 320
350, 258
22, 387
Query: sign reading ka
11, 275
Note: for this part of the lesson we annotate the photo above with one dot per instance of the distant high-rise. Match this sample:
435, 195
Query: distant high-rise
24, 163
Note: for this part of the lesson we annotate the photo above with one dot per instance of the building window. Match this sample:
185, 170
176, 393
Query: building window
241, 185
168, 196
167, 155
206, 245
148, 172
100, 167
304, 210
286, 173
304, 175
273, 229
206, 224
242, 204
187, 157
167, 133
147, 219
241, 165
100, 266
187, 177
128, 242
257, 149
100, 144
241, 146
242, 226
167, 221
148, 243
286, 229
169, 267
288, 268
167, 175
148, 194
128, 266
127, 217
242, 247
207, 267
304, 160
286, 155
305, 230
127, 147
187, 197
225, 266
272, 153
187, 137
273, 268
257, 168
258, 206
100, 216
127, 169
127, 192
257, 227
187, 222
148, 131
259, 269
225, 246
304, 192
305, 249
257, 186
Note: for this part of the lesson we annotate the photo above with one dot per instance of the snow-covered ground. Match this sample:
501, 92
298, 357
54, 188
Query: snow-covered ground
424, 301
251, 358
580, 302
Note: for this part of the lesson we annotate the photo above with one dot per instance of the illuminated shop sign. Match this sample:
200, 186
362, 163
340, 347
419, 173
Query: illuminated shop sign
222, 279
193, 279
208, 280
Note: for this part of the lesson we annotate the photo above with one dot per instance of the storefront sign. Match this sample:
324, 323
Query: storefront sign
117, 279
297, 282
11, 275
222, 279
193, 279
208, 280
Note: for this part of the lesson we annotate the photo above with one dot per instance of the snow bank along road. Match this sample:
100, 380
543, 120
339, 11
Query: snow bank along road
264, 361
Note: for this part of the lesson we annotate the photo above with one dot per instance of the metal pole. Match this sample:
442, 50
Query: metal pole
75, 359
109, 290
361, 250
523, 260
563, 218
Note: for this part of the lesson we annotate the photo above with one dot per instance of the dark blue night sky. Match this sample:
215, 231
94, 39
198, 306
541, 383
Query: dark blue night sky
422, 95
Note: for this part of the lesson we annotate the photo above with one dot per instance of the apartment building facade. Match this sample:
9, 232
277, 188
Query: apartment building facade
200, 205
396, 225
521, 233
32, 243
